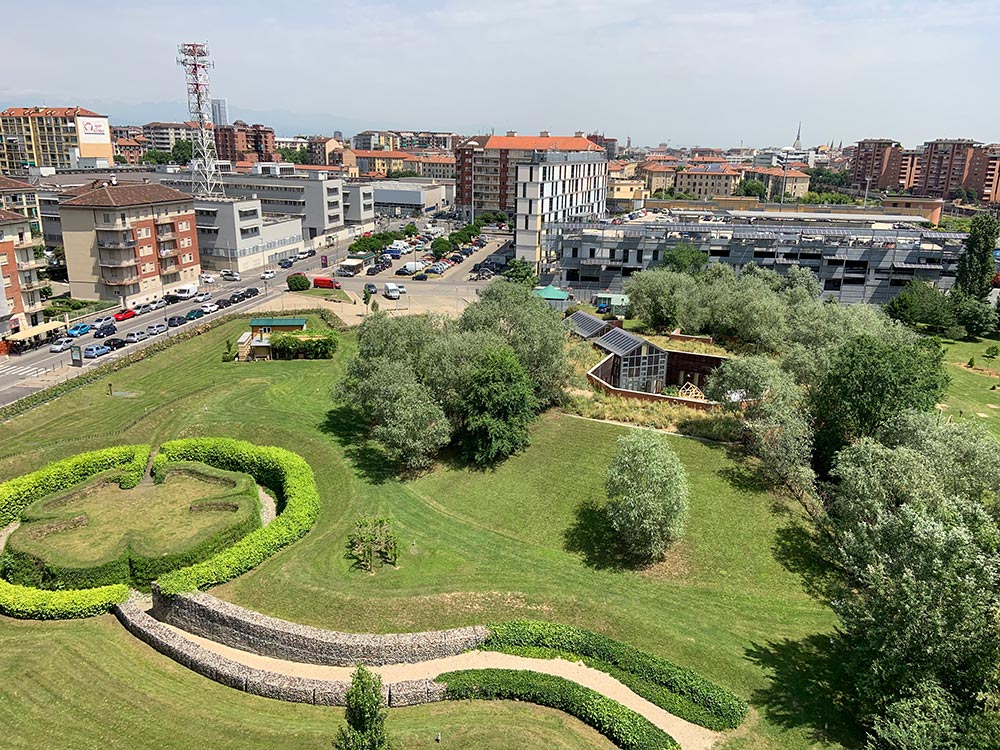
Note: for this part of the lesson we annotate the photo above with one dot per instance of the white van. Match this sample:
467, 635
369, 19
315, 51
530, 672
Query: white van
187, 291
391, 291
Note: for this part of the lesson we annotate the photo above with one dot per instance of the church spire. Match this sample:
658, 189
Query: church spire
798, 138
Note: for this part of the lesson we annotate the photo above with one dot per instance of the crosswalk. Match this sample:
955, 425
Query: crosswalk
17, 371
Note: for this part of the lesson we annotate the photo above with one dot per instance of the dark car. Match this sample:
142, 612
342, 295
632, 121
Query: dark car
371, 288
171, 299
311, 253
223, 302
236, 297
284, 263
195, 314
404, 271
115, 343
420, 277
176, 320
104, 331
372, 270
251, 292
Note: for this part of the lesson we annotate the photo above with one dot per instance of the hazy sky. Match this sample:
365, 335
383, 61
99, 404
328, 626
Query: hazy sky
709, 72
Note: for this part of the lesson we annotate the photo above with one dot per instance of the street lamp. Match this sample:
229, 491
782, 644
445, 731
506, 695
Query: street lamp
868, 184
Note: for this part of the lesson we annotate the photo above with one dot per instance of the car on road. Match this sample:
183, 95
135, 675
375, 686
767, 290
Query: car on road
104, 320
176, 320
203, 297
404, 271
104, 331
229, 275
285, 263
143, 309
371, 288
251, 291
401, 288
124, 314
268, 274
136, 336
158, 304
171, 299
115, 343
237, 297
61, 345
372, 270
209, 307
95, 350
154, 329
420, 277
78, 330
223, 303
195, 314
206, 278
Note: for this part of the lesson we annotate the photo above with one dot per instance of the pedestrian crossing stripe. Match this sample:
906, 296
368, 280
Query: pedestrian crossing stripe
19, 370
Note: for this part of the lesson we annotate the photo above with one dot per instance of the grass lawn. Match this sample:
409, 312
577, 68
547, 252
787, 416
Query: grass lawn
154, 517
519, 541
335, 295
969, 394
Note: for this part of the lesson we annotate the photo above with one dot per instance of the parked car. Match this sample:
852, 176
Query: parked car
104, 320
195, 314
310, 253
154, 329
230, 275
325, 282
268, 274
104, 331
403, 271
124, 314
206, 278
95, 350
78, 330
143, 309
171, 299
176, 320
251, 291
371, 288
158, 304
209, 307
223, 303
203, 297
372, 270
236, 297
420, 277
115, 343
61, 345
285, 263
136, 336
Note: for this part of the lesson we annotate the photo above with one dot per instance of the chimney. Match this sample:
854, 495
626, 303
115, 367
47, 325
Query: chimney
511, 133
544, 134
579, 134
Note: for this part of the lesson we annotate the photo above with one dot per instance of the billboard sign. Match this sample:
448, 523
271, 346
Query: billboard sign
93, 130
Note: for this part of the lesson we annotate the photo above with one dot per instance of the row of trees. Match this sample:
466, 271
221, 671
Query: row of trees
478, 382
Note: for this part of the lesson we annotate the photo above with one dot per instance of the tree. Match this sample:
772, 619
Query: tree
752, 188
976, 316
182, 152
923, 721
647, 490
920, 303
395, 174
158, 157
410, 230
991, 353
976, 266
520, 271
441, 247
119, 159
653, 296
499, 406
373, 543
294, 155
685, 258
297, 283
365, 715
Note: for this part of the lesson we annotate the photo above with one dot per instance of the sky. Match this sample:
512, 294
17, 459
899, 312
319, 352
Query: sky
709, 72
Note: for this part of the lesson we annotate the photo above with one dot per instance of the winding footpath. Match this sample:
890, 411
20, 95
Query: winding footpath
690, 736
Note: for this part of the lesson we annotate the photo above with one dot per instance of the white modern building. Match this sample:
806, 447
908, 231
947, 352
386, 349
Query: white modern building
220, 112
557, 187
398, 198
359, 204
236, 234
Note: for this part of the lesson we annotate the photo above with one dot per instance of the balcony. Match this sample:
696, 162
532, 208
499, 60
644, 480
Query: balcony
113, 260
31, 263
115, 244
169, 252
114, 224
165, 236
35, 285
119, 280
33, 306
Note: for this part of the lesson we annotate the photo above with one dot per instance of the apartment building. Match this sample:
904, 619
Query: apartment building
409, 141
557, 187
53, 137
20, 198
778, 181
220, 112
376, 140
125, 131
486, 166
163, 135
243, 142
131, 242
325, 151
853, 263
876, 164
943, 167
131, 150
657, 175
377, 162
21, 303
610, 145
236, 234
434, 166
708, 180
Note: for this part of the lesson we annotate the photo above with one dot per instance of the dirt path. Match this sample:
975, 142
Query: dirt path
6, 531
690, 736
268, 510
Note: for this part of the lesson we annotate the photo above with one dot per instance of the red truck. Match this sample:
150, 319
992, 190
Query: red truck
325, 282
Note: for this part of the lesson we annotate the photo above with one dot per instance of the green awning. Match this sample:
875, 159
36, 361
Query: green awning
550, 292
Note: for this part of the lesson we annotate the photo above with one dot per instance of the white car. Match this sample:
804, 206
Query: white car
209, 307
61, 345
206, 278
203, 297
268, 274
401, 289
158, 304
104, 320
229, 275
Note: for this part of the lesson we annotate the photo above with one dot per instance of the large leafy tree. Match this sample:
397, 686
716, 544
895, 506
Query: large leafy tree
647, 489
921, 303
751, 188
365, 715
653, 296
182, 152
685, 257
976, 266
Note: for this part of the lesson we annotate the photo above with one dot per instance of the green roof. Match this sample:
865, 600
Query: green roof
550, 292
272, 322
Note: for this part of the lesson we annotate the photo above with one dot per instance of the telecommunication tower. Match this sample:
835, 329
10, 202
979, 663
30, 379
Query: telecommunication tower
193, 57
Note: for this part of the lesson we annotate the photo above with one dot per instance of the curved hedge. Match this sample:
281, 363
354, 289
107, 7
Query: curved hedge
36, 604
679, 690
624, 727
284, 472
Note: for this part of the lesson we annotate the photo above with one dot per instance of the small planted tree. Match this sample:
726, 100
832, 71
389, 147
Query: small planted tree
648, 491
991, 353
297, 283
365, 715
373, 543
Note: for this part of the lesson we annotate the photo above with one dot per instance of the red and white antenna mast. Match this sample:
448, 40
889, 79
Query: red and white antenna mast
194, 58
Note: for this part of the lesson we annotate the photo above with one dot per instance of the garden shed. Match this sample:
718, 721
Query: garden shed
634, 364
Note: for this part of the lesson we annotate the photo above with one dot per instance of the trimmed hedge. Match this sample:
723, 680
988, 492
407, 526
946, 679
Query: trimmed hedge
624, 727
35, 604
284, 472
18, 493
677, 689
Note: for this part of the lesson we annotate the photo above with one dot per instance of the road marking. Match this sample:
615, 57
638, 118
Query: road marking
22, 371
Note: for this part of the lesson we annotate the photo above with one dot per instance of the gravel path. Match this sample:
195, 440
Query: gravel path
6, 531
268, 511
690, 736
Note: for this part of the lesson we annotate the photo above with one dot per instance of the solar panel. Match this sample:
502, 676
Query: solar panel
618, 341
584, 324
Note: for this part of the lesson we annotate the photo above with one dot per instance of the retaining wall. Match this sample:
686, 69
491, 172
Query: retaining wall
259, 681
231, 625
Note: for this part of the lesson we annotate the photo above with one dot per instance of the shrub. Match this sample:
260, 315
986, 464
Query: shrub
701, 701
284, 472
297, 283
625, 728
372, 543
35, 604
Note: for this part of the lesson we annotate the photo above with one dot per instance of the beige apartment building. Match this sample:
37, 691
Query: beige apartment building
20, 198
708, 180
128, 241
61, 137
657, 175
777, 181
